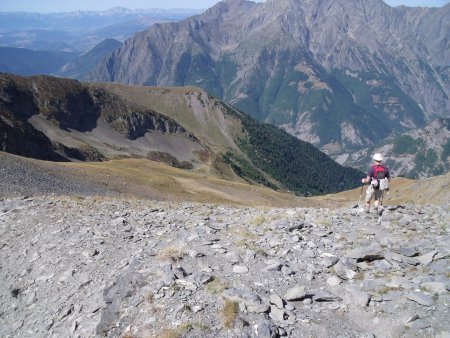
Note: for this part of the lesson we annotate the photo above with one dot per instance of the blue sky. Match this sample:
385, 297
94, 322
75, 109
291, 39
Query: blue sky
73, 5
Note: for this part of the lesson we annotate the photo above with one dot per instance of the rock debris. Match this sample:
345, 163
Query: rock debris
107, 267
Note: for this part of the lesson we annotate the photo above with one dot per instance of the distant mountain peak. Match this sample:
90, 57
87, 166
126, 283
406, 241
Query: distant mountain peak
344, 73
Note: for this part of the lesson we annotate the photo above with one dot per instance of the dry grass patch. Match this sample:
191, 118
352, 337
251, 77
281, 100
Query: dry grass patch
173, 253
170, 333
150, 296
79, 198
359, 276
144, 178
250, 245
229, 313
243, 233
216, 286
259, 220
325, 222
387, 289
182, 329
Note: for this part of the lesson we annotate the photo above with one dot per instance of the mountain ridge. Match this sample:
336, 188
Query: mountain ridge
298, 65
96, 122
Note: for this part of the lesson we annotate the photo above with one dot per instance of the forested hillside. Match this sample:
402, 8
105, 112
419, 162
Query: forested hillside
297, 164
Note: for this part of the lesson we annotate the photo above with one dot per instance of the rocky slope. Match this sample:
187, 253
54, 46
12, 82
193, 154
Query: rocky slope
60, 119
52, 110
340, 74
95, 266
418, 153
84, 252
83, 64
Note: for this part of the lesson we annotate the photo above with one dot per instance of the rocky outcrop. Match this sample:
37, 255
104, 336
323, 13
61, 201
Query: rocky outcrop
129, 121
68, 105
138, 123
23, 139
63, 102
418, 153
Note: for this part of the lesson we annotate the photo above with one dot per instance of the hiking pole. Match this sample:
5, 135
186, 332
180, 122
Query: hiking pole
360, 196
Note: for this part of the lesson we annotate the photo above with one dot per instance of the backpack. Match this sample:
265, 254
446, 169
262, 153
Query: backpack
379, 174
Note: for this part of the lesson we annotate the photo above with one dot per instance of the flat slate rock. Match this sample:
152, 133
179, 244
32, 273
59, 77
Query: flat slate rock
277, 301
420, 298
360, 299
419, 324
436, 287
406, 251
334, 280
240, 269
266, 329
296, 294
427, 259
325, 296
368, 254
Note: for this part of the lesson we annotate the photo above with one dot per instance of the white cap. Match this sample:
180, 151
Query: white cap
378, 157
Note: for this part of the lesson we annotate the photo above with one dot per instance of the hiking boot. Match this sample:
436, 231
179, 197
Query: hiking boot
367, 210
380, 211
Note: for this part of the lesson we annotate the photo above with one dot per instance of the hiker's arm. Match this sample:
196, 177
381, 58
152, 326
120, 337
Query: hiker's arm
366, 180
369, 174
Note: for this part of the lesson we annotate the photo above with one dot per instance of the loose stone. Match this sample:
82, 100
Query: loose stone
296, 293
420, 298
240, 269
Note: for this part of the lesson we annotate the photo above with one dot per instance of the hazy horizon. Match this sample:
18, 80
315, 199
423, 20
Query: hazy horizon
49, 6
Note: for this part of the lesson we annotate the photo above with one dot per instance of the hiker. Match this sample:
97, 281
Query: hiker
378, 177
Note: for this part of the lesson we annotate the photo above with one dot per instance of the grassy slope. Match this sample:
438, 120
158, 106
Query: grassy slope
255, 147
193, 109
139, 178
206, 123
147, 179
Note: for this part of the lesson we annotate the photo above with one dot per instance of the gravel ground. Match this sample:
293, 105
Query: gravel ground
108, 267
76, 260
20, 176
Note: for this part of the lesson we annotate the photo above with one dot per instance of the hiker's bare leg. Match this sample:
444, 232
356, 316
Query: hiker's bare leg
376, 203
369, 196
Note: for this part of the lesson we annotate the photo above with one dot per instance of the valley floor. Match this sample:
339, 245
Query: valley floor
84, 266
